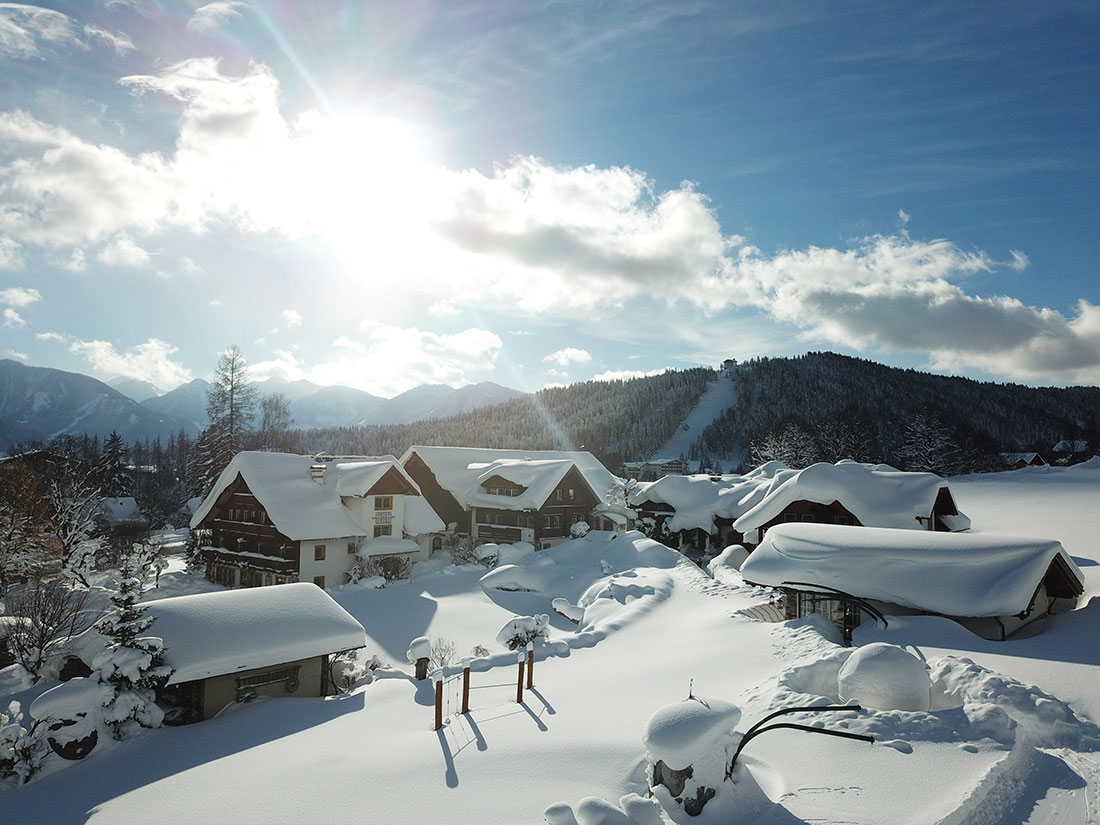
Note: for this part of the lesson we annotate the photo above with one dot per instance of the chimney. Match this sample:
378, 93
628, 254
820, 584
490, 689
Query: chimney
317, 473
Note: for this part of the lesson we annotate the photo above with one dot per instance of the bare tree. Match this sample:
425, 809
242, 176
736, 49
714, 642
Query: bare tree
25, 550
275, 419
46, 613
73, 498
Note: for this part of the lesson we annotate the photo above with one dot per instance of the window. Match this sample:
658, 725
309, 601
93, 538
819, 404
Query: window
319, 581
842, 520
790, 517
351, 548
383, 502
572, 494
807, 516
318, 552
383, 530
559, 494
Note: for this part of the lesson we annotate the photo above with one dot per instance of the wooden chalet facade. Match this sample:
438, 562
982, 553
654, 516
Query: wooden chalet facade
275, 518
506, 496
571, 501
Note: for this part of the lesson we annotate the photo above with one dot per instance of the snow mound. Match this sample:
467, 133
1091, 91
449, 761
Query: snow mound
521, 630
885, 677
680, 733
419, 648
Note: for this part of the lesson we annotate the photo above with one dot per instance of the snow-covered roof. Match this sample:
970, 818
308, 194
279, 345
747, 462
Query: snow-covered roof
699, 499
954, 574
461, 470
1068, 446
876, 494
120, 510
303, 509
388, 546
1027, 458
210, 634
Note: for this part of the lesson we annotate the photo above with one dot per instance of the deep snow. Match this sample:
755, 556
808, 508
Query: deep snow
1009, 736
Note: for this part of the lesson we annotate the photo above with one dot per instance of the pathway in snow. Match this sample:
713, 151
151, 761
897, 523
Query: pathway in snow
717, 398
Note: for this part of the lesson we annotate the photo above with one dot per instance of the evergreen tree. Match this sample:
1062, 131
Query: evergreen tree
132, 663
231, 405
111, 470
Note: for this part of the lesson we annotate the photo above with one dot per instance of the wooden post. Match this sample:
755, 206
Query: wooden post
466, 688
530, 665
519, 682
438, 704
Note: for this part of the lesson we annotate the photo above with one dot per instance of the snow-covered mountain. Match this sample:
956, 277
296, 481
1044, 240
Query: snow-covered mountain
331, 407
38, 403
186, 402
134, 388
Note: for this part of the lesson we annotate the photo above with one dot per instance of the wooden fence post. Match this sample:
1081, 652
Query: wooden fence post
530, 665
466, 688
519, 682
437, 677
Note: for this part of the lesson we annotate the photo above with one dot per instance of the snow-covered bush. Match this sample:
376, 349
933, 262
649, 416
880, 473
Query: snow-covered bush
442, 652
348, 668
391, 568
523, 629
21, 750
579, 530
487, 554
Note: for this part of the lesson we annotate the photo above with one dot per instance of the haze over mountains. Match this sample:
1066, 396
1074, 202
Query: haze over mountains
37, 403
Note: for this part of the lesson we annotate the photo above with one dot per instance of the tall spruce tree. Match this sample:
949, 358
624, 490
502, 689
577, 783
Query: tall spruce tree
231, 406
111, 469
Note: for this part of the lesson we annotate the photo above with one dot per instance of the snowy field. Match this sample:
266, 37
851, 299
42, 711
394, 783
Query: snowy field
1010, 737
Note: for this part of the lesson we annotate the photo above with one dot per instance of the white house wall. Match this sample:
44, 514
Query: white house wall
334, 566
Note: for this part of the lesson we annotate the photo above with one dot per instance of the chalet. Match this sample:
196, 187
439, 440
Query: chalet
1017, 461
231, 646
849, 493
1071, 451
274, 518
993, 585
505, 496
717, 511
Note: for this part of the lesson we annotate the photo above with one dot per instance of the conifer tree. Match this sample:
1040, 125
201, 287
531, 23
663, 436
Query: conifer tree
111, 470
132, 663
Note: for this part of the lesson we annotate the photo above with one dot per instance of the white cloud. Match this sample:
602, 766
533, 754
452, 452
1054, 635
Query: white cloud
123, 252
76, 262
903, 217
570, 355
22, 356
49, 336
13, 318
410, 357
215, 15
10, 254
292, 317
189, 266
442, 309
19, 296
24, 28
1020, 260
118, 41
214, 302
150, 361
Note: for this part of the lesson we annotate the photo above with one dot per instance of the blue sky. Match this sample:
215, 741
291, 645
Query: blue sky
386, 194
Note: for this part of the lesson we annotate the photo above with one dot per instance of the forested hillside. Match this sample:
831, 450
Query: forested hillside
834, 397
611, 419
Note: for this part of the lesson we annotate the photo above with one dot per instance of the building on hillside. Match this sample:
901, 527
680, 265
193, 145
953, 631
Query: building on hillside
274, 518
654, 469
232, 646
505, 496
701, 511
1017, 461
993, 585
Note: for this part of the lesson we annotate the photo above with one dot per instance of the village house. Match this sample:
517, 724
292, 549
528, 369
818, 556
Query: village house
1017, 461
506, 496
274, 518
231, 646
700, 511
654, 469
993, 585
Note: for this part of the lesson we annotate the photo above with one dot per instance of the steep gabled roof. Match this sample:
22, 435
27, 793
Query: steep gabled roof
461, 471
301, 508
876, 494
954, 574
